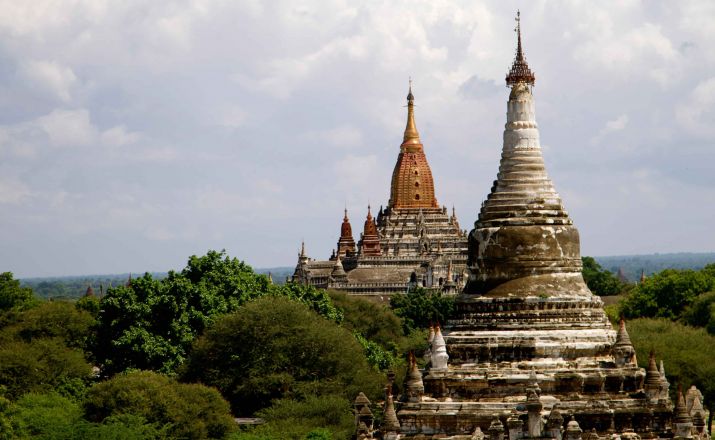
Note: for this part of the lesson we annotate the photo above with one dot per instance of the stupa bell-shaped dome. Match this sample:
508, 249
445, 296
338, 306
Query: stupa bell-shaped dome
523, 242
412, 183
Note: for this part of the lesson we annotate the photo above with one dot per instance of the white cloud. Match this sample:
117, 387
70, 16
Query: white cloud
612, 126
50, 76
62, 128
118, 136
356, 173
341, 136
697, 113
67, 128
632, 51
221, 116
13, 191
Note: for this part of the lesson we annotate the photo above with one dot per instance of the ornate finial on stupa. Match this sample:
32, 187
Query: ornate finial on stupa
411, 134
90, 291
520, 72
129, 280
302, 248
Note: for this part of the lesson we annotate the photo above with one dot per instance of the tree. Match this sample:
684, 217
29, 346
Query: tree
421, 307
277, 348
315, 417
687, 353
180, 410
600, 281
667, 294
151, 324
46, 416
39, 366
11, 294
702, 312
52, 319
376, 322
52, 416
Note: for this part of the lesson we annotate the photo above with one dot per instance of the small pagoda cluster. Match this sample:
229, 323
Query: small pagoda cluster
412, 242
529, 352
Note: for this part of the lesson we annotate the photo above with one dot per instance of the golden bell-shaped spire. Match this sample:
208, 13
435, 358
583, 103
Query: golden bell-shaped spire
411, 134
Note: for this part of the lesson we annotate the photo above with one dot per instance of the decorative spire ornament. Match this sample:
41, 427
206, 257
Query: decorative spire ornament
520, 72
411, 135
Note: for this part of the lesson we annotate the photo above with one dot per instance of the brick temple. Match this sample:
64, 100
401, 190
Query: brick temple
411, 242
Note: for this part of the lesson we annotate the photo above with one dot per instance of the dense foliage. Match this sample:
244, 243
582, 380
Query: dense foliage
12, 295
420, 308
150, 324
600, 281
274, 348
183, 410
42, 349
687, 352
314, 418
673, 294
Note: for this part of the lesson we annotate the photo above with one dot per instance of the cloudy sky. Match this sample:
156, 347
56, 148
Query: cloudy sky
134, 134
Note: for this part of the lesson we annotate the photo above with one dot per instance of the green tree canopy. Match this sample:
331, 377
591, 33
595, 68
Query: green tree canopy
276, 348
701, 312
39, 366
51, 319
600, 281
315, 417
668, 293
11, 294
51, 416
687, 353
42, 349
376, 322
150, 324
421, 307
180, 410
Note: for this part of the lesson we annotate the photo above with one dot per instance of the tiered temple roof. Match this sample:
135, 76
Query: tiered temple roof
411, 242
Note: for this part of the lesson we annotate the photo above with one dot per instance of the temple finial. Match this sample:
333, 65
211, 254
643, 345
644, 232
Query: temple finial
520, 72
411, 134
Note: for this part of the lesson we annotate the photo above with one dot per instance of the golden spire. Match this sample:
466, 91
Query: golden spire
411, 134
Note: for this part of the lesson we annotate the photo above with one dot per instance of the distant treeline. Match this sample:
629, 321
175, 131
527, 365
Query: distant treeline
73, 287
632, 265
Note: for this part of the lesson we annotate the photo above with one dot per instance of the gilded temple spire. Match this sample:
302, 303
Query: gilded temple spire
520, 72
411, 134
